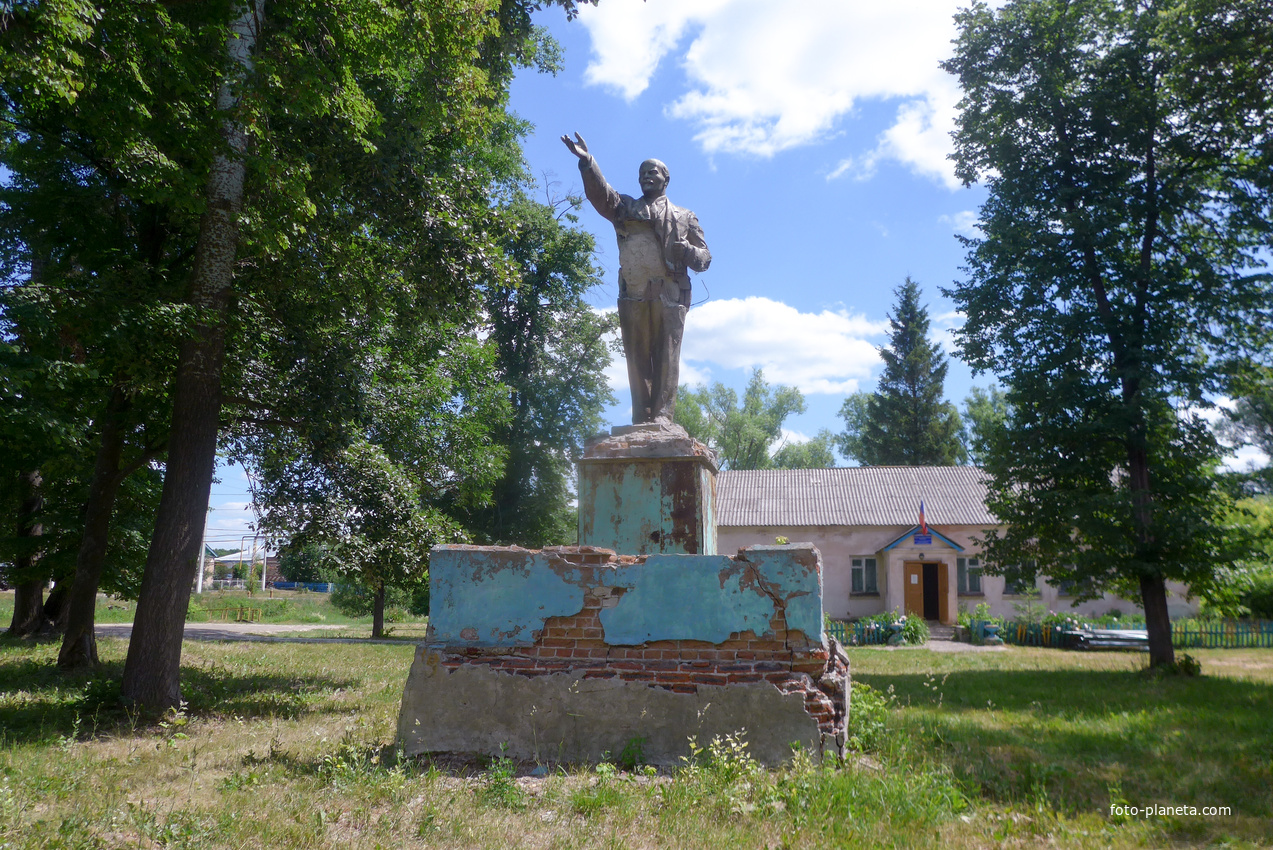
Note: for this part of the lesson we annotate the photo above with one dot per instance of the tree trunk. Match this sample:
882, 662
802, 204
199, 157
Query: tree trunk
153, 668
28, 597
1153, 588
378, 613
79, 644
1153, 595
55, 606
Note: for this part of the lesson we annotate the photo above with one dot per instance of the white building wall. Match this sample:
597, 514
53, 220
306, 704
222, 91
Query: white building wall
840, 544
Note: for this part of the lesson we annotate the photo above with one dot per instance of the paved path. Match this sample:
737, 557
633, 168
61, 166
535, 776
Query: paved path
263, 632
274, 633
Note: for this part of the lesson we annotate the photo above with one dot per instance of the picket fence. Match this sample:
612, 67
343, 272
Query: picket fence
1185, 634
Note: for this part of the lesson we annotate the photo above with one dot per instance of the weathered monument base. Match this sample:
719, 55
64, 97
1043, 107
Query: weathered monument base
648, 488
574, 653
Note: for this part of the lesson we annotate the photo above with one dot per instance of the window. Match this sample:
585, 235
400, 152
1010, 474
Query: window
969, 576
864, 583
1019, 580
1072, 587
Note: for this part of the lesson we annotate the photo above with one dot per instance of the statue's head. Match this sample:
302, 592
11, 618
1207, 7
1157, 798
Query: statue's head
653, 178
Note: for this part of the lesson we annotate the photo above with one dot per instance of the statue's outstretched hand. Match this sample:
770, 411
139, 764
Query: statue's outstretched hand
577, 145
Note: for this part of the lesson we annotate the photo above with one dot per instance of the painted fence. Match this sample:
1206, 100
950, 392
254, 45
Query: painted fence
862, 633
1185, 634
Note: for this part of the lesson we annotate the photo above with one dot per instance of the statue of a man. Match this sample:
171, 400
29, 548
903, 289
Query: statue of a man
658, 244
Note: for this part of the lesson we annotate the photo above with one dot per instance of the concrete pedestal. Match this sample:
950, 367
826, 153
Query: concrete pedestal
648, 489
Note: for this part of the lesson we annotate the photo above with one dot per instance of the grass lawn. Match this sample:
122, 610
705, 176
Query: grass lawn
290, 746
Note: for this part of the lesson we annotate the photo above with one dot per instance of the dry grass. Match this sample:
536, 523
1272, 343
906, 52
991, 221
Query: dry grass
290, 746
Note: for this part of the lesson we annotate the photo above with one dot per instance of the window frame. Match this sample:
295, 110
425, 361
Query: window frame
859, 568
968, 571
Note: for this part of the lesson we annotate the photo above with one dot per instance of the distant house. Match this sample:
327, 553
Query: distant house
865, 522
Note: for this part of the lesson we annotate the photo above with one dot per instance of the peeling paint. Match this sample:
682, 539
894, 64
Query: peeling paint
657, 501
685, 597
489, 596
497, 596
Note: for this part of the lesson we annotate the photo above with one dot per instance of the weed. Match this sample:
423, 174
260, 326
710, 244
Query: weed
867, 724
632, 755
498, 787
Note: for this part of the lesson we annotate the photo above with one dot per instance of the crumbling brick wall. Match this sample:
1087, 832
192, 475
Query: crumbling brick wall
789, 659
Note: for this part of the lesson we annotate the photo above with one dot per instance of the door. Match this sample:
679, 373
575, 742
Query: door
913, 579
932, 605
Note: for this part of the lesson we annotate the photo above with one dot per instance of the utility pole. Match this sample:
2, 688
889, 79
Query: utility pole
203, 553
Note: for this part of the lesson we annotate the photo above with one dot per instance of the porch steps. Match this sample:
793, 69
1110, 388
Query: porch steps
937, 631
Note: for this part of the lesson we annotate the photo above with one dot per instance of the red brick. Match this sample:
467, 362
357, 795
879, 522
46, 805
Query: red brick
685, 689
743, 678
710, 678
557, 642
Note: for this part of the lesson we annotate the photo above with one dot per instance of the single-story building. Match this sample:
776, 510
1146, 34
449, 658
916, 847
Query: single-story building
865, 521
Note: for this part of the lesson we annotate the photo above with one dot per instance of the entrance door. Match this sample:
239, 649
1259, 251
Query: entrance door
913, 578
926, 589
931, 599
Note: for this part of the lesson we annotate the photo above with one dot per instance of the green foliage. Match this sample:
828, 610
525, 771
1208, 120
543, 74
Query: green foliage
741, 434
1250, 422
816, 453
498, 787
905, 421
1119, 281
915, 631
303, 563
985, 416
551, 354
869, 711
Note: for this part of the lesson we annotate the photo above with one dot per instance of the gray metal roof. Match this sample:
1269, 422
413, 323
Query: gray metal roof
859, 495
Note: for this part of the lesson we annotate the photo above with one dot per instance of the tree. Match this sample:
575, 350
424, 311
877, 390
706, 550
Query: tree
1119, 284
408, 107
551, 354
816, 453
905, 421
742, 435
985, 416
1250, 422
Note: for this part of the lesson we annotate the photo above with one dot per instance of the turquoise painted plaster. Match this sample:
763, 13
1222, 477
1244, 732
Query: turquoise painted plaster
686, 597
792, 574
624, 509
503, 595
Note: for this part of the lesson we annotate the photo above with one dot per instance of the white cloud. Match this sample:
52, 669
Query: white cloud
964, 223
822, 352
825, 352
762, 77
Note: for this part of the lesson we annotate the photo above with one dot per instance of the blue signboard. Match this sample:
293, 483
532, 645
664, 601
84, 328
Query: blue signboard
923, 540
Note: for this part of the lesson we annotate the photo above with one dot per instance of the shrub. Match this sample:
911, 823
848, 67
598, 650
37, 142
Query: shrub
1259, 597
915, 631
866, 729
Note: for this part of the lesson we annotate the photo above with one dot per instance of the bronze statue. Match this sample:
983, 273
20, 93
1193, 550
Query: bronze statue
658, 243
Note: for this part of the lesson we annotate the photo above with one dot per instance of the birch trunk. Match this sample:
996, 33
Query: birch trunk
153, 667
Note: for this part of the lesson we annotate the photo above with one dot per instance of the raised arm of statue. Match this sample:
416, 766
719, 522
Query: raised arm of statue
604, 198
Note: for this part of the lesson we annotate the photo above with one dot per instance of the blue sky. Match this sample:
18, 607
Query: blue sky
811, 141
810, 138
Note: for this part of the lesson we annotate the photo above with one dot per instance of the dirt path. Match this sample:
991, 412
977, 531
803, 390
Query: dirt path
264, 632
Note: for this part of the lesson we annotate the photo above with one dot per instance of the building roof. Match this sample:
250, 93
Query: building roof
857, 495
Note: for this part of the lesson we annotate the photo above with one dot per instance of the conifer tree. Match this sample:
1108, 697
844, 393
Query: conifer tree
906, 421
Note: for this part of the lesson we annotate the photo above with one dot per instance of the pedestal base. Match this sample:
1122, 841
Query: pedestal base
647, 489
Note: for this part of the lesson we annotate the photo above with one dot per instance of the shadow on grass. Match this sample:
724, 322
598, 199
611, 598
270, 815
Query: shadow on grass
1078, 738
40, 704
